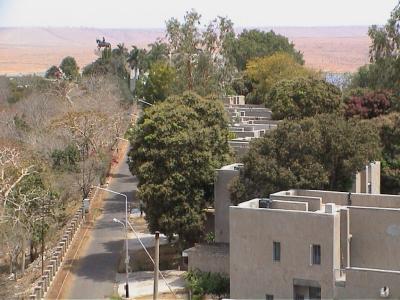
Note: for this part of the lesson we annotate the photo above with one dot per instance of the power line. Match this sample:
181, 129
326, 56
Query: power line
152, 260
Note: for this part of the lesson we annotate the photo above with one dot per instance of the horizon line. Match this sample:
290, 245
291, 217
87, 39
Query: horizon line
163, 29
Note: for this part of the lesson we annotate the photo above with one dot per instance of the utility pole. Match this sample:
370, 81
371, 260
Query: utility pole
126, 254
156, 264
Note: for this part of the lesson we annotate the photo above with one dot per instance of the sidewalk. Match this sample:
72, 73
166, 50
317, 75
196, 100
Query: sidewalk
141, 283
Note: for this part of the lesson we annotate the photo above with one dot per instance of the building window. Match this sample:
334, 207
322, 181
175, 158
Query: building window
277, 251
316, 255
314, 292
269, 297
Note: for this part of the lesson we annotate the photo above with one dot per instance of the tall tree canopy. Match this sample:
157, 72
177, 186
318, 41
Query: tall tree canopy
303, 97
384, 70
322, 152
159, 83
254, 43
176, 147
390, 138
199, 54
265, 72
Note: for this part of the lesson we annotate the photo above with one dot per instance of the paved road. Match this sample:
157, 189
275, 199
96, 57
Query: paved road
95, 272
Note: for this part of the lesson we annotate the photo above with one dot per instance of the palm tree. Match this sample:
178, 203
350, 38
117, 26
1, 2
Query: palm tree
158, 51
137, 60
121, 50
133, 61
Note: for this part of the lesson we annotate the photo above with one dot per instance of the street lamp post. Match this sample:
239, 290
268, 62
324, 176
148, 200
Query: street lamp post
126, 236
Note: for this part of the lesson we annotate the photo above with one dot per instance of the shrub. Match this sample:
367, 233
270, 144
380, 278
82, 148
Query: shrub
70, 68
20, 123
17, 91
67, 159
203, 283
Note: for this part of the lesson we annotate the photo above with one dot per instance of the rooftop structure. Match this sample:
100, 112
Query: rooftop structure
234, 100
303, 244
248, 121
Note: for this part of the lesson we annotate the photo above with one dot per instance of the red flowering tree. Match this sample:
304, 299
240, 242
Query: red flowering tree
367, 104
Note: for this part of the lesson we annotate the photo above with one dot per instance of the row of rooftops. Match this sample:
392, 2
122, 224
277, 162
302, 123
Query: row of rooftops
248, 121
319, 201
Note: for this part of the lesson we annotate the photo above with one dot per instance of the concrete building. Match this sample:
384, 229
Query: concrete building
305, 244
234, 100
222, 200
368, 180
248, 121
215, 257
249, 114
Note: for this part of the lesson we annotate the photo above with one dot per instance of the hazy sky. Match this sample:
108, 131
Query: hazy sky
147, 13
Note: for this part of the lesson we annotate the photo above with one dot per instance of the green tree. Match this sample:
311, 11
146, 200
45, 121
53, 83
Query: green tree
137, 63
121, 50
321, 152
159, 51
303, 97
199, 55
384, 70
266, 71
176, 147
160, 82
70, 68
254, 43
111, 62
390, 138
52, 72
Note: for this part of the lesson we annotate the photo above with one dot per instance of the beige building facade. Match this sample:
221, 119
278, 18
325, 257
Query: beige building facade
368, 180
304, 244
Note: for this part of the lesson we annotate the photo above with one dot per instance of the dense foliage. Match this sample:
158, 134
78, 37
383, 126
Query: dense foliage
206, 283
303, 97
265, 72
254, 43
159, 83
176, 147
384, 70
321, 152
381, 78
390, 139
367, 104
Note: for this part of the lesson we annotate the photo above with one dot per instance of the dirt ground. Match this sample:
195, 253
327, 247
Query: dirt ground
342, 49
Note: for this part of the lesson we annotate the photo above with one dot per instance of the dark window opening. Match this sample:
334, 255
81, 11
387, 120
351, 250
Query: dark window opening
277, 251
316, 254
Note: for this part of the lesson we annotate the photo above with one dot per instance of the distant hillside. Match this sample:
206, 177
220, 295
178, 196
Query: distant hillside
29, 50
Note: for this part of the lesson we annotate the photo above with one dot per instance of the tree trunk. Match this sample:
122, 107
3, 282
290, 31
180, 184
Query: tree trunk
11, 263
31, 254
190, 77
132, 83
23, 257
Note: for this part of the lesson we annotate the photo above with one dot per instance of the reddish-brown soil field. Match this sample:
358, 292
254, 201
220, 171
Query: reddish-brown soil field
30, 50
